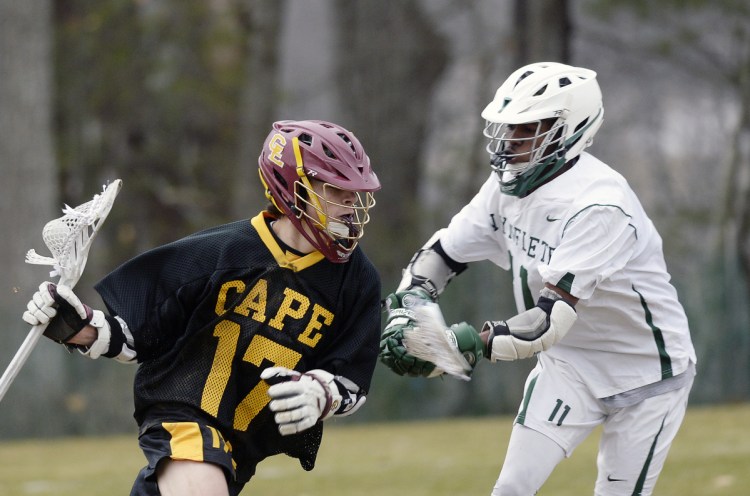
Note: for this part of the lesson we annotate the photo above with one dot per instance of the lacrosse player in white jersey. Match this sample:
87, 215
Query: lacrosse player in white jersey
595, 305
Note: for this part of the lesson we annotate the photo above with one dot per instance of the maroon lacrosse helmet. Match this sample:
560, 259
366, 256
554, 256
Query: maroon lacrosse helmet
296, 152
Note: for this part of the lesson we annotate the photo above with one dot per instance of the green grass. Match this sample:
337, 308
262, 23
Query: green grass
711, 456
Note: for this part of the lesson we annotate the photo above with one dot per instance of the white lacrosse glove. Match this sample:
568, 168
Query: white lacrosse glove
42, 306
298, 400
65, 315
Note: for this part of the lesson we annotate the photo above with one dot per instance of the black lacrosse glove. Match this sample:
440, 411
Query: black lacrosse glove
68, 321
60, 309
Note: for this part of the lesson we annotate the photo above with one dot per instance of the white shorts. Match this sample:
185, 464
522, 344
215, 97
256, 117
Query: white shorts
635, 439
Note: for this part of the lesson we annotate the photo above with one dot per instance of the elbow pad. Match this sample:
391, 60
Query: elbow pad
430, 269
531, 331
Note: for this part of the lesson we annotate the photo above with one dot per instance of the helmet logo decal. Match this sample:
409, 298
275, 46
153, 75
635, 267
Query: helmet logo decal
318, 176
276, 147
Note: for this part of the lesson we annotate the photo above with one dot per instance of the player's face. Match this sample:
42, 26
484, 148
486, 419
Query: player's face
340, 214
336, 202
337, 210
523, 139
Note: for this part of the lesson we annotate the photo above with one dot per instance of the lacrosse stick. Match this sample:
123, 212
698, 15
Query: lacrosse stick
68, 239
431, 340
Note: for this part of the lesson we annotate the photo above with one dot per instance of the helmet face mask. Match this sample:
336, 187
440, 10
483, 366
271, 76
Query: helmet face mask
557, 107
319, 176
515, 148
339, 225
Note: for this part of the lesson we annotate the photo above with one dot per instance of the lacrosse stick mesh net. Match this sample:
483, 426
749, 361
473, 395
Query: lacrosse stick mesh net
69, 237
431, 340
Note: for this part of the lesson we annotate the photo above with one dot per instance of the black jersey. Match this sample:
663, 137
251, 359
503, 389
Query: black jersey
209, 312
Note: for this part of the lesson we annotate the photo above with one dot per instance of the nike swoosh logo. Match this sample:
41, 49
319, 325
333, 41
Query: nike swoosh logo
610, 479
552, 219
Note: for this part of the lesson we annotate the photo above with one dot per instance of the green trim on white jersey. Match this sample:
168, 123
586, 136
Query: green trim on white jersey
666, 361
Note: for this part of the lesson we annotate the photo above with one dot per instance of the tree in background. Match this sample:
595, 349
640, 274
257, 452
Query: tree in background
261, 22
389, 61
149, 92
28, 199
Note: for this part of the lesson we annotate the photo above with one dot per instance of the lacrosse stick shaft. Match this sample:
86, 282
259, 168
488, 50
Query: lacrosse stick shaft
24, 352
22, 355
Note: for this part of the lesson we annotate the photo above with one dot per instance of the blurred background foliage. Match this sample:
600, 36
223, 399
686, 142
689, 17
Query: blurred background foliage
176, 97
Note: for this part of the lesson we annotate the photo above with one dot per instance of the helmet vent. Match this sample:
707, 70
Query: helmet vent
564, 82
577, 137
306, 139
524, 76
580, 126
541, 90
347, 141
328, 152
280, 179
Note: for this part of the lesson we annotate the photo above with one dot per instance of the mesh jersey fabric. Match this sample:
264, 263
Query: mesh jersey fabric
209, 312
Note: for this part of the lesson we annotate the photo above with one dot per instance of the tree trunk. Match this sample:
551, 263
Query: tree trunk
262, 23
28, 200
543, 31
389, 61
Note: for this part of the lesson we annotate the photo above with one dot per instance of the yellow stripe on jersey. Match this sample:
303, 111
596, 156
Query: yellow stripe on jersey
284, 260
186, 442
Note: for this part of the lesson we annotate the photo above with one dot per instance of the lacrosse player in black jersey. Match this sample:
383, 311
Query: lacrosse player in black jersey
247, 335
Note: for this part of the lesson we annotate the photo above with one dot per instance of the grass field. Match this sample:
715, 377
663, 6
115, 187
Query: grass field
711, 456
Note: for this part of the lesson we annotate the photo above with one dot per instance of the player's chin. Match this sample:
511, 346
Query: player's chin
517, 159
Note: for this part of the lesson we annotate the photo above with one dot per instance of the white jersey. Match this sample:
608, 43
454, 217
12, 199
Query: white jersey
586, 233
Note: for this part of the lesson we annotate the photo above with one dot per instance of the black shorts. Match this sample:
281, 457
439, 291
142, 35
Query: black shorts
181, 439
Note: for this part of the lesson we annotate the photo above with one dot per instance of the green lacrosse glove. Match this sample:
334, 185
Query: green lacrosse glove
392, 350
468, 343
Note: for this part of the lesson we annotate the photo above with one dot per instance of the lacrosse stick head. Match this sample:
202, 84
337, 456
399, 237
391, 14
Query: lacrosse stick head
430, 339
69, 237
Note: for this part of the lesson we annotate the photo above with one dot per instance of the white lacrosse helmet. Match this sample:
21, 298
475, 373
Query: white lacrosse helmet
567, 97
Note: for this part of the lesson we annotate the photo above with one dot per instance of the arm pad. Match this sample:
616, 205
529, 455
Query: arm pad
531, 331
430, 269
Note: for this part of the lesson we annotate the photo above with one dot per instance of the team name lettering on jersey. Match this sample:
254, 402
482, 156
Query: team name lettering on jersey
534, 246
294, 306
261, 349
